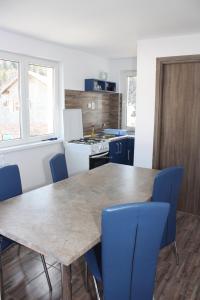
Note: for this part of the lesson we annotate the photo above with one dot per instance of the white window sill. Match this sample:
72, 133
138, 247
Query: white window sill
29, 146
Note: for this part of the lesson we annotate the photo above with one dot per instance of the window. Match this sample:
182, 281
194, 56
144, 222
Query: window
131, 102
128, 80
28, 90
40, 88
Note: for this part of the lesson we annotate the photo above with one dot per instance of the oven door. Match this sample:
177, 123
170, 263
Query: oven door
98, 160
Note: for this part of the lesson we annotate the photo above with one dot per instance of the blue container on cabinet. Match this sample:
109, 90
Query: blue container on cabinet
117, 132
96, 85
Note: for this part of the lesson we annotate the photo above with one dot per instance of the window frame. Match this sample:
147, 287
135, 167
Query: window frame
129, 127
24, 61
124, 89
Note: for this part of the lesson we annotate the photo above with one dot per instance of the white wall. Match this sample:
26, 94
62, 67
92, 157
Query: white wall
147, 52
33, 163
75, 66
117, 66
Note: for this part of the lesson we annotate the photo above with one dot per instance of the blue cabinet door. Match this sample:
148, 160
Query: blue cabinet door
114, 152
122, 151
118, 151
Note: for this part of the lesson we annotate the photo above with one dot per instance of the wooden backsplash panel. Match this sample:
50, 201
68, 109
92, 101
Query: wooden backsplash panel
107, 108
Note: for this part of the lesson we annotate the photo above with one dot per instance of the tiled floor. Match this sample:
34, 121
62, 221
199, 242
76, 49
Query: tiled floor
24, 276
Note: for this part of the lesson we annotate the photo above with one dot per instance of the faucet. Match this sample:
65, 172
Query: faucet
92, 132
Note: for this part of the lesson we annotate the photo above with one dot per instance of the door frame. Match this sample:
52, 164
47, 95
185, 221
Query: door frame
160, 63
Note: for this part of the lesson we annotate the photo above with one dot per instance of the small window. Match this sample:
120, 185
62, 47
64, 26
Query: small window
28, 99
131, 102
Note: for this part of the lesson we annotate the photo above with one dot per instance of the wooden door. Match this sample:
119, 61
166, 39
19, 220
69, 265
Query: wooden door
177, 124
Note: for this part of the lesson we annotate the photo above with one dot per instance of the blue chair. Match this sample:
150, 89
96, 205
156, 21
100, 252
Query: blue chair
166, 188
10, 186
58, 167
125, 261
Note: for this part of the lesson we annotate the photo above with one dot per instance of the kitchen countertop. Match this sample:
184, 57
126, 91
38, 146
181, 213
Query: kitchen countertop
111, 139
116, 138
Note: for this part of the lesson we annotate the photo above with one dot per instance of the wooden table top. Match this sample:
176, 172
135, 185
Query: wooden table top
62, 220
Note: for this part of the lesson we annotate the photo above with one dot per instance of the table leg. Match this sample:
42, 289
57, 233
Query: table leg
66, 282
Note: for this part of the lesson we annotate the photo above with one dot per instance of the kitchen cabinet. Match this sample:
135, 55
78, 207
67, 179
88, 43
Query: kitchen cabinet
114, 152
122, 151
97, 85
130, 151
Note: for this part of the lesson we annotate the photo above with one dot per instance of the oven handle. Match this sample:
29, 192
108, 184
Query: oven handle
99, 155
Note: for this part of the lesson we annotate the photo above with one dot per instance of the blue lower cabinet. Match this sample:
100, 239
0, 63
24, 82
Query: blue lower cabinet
114, 152
122, 151
130, 151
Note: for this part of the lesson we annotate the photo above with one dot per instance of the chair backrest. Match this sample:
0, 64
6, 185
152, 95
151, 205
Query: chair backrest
166, 188
10, 182
131, 236
58, 167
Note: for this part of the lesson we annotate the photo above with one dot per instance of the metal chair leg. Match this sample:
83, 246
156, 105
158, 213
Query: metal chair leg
86, 277
176, 253
46, 271
1, 275
19, 250
96, 288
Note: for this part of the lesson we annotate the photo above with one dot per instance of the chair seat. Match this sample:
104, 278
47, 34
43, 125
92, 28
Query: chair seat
93, 260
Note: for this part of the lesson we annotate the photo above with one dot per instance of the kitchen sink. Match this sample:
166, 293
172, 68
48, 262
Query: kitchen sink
104, 136
100, 136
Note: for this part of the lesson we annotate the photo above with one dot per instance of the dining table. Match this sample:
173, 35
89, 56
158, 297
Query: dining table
63, 219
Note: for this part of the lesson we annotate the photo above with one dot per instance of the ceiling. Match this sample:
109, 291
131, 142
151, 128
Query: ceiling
109, 28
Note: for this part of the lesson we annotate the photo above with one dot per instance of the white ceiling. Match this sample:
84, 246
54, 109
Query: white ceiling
109, 28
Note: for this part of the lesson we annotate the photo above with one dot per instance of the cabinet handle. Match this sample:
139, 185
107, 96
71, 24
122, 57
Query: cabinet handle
100, 155
128, 154
120, 147
117, 144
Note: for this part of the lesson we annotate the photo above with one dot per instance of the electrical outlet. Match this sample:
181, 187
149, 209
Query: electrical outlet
89, 105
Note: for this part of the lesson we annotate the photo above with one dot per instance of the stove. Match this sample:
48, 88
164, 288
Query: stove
86, 141
91, 145
82, 153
